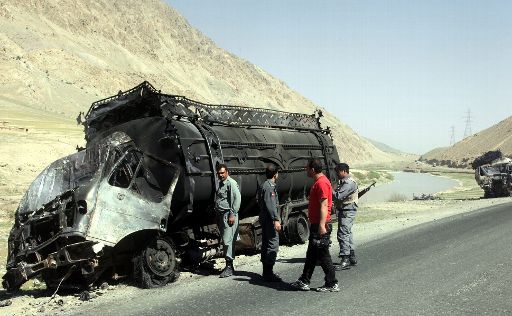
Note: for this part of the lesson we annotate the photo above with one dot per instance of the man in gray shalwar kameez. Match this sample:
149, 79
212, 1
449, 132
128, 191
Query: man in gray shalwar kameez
227, 205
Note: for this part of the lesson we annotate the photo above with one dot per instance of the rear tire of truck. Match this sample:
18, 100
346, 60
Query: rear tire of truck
298, 229
157, 264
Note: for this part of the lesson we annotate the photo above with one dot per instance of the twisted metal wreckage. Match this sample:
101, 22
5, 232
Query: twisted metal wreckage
137, 201
493, 173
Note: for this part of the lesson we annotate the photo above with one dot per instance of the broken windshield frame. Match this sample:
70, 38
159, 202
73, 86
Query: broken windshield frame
132, 171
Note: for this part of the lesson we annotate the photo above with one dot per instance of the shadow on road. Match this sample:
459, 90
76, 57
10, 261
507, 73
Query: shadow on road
37, 293
256, 279
291, 260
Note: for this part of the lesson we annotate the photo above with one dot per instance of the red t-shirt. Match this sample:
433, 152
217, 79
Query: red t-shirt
321, 189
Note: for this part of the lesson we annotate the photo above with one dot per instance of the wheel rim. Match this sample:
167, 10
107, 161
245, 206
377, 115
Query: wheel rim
160, 257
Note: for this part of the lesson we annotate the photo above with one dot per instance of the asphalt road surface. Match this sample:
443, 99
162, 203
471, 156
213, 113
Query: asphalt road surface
459, 265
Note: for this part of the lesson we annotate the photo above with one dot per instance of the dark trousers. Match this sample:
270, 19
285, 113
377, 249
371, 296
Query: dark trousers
318, 251
269, 241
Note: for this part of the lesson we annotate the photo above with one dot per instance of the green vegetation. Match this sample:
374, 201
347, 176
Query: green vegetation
373, 175
397, 197
467, 189
365, 178
390, 166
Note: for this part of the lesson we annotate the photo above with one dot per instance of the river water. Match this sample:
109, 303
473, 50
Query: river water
407, 184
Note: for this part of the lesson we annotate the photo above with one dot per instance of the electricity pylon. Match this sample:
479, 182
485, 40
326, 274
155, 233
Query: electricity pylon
467, 130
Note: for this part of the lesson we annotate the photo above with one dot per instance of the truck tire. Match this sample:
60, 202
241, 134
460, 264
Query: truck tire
156, 264
298, 229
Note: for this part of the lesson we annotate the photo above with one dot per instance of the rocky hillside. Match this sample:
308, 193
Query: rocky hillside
461, 154
58, 56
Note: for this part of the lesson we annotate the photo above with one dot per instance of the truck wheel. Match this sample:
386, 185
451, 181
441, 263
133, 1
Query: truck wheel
157, 264
298, 229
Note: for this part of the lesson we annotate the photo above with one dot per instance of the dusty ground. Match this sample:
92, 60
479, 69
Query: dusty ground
374, 221
29, 141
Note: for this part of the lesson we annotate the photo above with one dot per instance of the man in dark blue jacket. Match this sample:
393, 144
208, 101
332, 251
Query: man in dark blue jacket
270, 223
345, 201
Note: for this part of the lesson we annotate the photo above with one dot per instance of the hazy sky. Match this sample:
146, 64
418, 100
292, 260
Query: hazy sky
399, 72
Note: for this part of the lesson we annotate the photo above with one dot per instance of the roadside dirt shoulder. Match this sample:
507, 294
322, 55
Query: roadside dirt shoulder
374, 221
392, 217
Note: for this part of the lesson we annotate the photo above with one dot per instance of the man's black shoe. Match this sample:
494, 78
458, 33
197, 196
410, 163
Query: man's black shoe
228, 270
352, 258
274, 277
269, 275
344, 264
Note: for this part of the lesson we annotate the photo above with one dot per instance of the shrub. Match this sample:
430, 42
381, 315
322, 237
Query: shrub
373, 175
397, 197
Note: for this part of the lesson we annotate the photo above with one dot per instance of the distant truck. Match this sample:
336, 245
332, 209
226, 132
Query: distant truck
137, 201
493, 173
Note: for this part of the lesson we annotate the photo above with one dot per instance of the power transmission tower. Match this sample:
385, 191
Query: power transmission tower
452, 138
467, 130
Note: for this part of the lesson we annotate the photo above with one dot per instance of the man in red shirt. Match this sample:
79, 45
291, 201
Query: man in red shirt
319, 212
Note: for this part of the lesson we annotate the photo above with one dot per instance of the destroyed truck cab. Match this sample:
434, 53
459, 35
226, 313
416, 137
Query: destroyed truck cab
103, 203
139, 200
495, 178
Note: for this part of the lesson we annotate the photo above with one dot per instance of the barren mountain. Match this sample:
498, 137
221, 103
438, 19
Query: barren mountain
461, 154
61, 55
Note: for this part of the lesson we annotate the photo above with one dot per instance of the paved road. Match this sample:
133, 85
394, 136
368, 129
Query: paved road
459, 265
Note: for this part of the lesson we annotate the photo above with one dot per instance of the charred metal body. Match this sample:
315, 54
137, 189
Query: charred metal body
493, 173
142, 190
101, 199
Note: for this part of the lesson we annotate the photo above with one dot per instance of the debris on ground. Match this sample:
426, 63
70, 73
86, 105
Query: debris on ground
424, 196
5, 303
84, 296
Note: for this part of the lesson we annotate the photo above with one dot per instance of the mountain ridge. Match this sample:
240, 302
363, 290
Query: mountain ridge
462, 153
60, 56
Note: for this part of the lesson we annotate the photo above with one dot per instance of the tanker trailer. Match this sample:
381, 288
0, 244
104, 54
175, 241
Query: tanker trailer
190, 138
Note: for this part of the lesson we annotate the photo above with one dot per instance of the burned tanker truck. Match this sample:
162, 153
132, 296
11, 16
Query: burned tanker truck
138, 200
493, 173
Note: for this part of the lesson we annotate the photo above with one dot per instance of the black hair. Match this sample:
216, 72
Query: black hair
316, 165
220, 166
271, 170
342, 167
